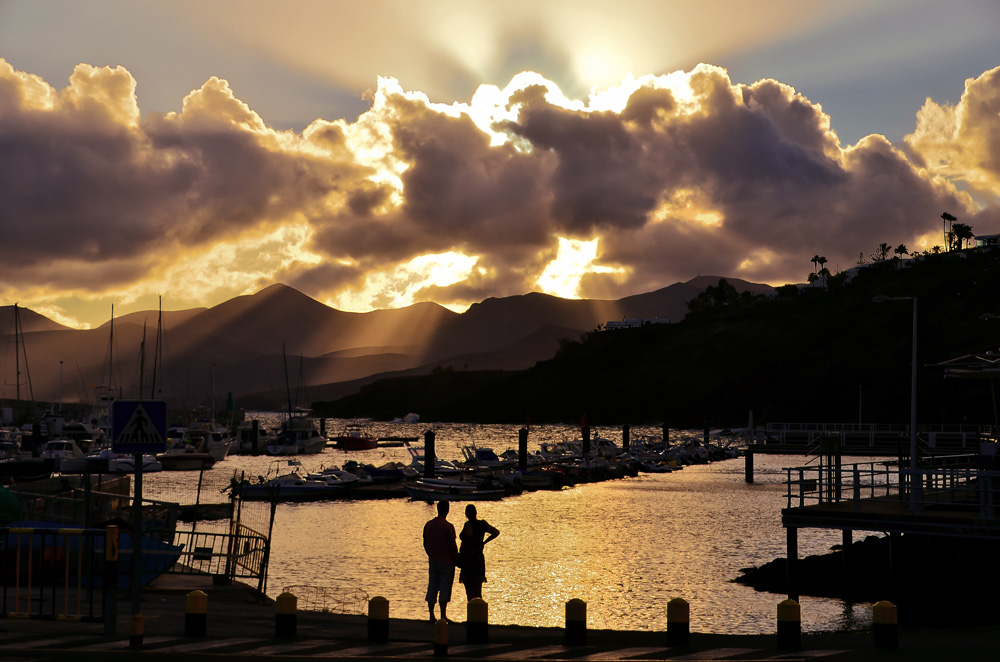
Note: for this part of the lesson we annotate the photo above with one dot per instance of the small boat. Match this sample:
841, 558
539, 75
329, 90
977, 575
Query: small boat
64, 454
293, 485
478, 457
244, 443
355, 437
301, 430
208, 437
450, 489
441, 467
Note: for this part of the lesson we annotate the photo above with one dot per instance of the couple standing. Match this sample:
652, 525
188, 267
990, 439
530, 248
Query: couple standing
443, 555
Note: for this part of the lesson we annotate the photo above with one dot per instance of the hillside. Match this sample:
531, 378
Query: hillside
251, 345
821, 356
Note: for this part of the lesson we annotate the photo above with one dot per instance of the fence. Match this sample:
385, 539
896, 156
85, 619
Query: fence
65, 574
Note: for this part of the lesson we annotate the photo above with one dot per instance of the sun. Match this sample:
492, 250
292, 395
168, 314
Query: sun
575, 259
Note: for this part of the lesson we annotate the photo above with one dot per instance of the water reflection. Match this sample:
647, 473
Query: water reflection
626, 547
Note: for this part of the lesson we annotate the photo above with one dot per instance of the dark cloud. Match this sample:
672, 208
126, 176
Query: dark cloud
677, 180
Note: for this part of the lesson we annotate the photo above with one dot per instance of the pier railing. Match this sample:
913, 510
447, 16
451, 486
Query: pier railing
957, 484
862, 436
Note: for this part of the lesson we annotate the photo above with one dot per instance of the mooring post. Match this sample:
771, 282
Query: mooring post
626, 433
666, 435
748, 465
586, 441
678, 622
522, 450
430, 459
254, 435
791, 566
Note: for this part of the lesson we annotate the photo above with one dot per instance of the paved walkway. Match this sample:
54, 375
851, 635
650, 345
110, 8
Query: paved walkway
236, 624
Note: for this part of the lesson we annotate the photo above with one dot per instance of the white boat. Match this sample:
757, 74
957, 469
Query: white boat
450, 489
64, 454
301, 429
441, 467
479, 457
206, 436
243, 442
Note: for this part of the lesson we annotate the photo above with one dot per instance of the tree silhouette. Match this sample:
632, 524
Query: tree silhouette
963, 233
947, 219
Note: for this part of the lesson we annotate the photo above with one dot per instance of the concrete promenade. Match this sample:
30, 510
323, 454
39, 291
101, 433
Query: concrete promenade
236, 625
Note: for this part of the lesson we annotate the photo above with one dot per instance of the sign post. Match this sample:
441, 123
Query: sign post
138, 427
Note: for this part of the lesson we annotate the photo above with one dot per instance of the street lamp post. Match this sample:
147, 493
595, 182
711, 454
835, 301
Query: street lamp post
915, 482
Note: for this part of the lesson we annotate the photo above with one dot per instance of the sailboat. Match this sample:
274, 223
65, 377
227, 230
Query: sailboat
299, 430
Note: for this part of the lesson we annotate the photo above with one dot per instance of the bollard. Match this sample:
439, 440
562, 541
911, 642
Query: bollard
789, 625
884, 625
135, 633
477, 622
522, 450
441, 638
378, 619
678, 622
286, 615
576, 622
195, 614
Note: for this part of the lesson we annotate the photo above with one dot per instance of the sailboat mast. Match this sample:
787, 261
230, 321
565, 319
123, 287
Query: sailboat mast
142, 360
159, 345
288, 389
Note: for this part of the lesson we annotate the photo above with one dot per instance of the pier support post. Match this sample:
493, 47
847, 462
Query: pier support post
430, 458
196, 614
748, 466
441, 638
522, 450
586, 440
254, 435
678, 622
626, 434
789, 625
576, 622
477, 626
792, 562
666, 435
286, 614
378, 619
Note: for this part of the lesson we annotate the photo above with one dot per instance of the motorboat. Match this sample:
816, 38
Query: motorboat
355, 437
293, 485
64, 454
208, 437
441, 467
451, 489
479, 458
245, 444
301, 429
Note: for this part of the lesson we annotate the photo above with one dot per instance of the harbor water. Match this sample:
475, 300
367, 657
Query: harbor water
626, 547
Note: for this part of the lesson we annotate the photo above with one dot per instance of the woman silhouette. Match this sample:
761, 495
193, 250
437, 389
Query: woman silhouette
475, 534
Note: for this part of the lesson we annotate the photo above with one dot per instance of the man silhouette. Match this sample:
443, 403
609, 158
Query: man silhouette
442, 553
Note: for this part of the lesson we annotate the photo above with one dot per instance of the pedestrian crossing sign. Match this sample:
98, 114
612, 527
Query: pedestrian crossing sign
138, 426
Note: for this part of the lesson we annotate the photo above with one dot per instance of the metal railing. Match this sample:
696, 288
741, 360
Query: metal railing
954, 483
58, 574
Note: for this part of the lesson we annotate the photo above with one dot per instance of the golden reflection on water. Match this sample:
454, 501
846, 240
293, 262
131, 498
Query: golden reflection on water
626, 547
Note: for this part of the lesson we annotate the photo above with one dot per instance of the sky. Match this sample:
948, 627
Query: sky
383, 153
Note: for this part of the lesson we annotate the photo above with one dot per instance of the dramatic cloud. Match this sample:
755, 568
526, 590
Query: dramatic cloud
643, 184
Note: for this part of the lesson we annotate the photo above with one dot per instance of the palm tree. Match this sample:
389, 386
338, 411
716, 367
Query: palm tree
821, 261
947, 218
963, 233
815, 261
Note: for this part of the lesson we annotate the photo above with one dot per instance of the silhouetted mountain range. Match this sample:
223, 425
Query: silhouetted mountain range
248, 345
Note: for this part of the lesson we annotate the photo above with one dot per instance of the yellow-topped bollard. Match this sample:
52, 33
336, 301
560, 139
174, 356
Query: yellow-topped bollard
477, 622
678, 622
441, 638
135, 633
576, 622
196, 614
789, 625
378, 619
884, 625
286, 615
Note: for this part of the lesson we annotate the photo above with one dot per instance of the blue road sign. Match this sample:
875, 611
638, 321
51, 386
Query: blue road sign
138, 426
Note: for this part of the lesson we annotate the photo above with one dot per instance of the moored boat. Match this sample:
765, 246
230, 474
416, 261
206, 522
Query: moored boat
450, 489
355, 437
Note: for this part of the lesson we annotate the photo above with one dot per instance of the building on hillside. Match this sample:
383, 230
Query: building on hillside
633, 322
